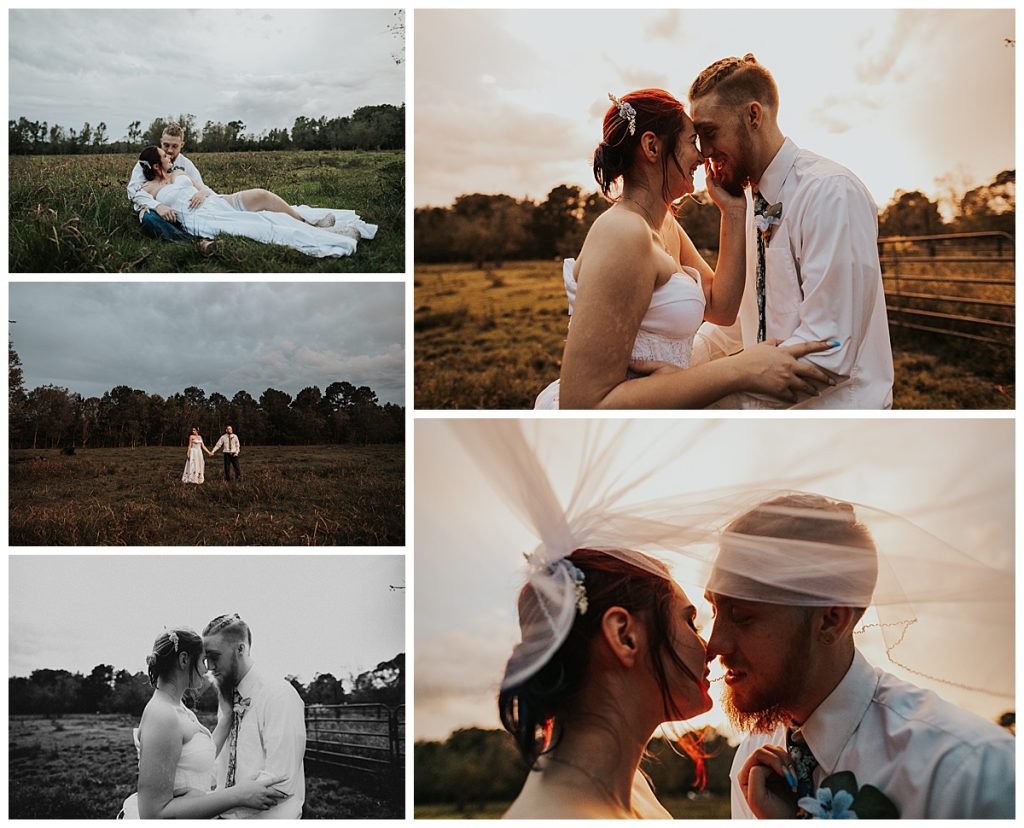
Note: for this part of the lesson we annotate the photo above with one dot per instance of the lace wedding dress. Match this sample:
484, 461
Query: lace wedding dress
216, 215
666, 331
195, 770
195, 463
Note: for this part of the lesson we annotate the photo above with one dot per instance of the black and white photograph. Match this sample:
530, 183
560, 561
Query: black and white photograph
207, 414
207, 687
207, 140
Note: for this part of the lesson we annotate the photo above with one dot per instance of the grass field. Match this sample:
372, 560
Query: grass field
493, 339
304, 496
83, 767
70, 213
680, 807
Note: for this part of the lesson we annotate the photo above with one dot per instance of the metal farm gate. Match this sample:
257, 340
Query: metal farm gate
955, 284
367, 738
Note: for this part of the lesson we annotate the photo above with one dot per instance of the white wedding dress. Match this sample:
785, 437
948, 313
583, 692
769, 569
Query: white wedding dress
216, 215
195, 769
666, 331
195, 463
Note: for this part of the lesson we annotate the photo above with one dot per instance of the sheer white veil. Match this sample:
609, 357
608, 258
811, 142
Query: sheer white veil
929, 602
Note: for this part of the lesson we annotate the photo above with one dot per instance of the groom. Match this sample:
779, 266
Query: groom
795, 678
812, 255
232, 448
267, 737
159, 220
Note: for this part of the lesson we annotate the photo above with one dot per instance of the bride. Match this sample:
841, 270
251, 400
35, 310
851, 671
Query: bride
582, 717
176, 752
639, 288
195, 463
256, 214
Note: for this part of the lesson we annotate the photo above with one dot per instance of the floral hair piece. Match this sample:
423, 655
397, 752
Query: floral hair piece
143, 162
626, 112
173, 636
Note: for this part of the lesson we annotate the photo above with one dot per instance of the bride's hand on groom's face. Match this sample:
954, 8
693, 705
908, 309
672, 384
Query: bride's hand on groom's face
724, 200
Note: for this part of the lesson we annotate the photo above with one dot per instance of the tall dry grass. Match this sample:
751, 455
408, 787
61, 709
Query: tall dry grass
302, 496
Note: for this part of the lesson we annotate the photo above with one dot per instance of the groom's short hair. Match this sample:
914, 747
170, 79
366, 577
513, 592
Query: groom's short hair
231, 627
174, 131
737, 81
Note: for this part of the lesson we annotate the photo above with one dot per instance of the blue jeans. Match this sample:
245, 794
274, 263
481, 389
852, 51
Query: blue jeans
159, 228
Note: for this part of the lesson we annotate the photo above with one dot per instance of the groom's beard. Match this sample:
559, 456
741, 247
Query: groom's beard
227, 682
770, 703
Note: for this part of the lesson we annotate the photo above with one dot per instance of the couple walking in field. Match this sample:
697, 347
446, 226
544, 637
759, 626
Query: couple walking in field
173, 204
195, 463
251, 765
793, 314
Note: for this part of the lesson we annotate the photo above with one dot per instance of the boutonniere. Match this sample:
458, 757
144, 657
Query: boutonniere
839, 797
241, 706
773, 215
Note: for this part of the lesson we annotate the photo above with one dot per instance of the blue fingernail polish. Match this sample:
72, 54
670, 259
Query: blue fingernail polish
791, 779
835, 343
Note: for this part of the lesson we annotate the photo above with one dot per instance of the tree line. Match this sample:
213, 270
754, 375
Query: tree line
474, 767
124, 417
367, 128
482, 228
49, 692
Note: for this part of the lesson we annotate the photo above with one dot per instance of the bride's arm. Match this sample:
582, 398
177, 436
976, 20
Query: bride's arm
225, 712
610, 304
723, 286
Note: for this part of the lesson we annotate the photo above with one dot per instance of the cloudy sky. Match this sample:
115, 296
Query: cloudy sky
219, 336
263, 67
308, 614
953, 478
512, 101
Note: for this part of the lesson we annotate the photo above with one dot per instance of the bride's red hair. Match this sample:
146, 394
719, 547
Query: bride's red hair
656, 111
531, 711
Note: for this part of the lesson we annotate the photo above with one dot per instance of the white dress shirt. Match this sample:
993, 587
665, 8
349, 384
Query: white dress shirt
931, 758
230, 444
823, 280
141, 200
271, 743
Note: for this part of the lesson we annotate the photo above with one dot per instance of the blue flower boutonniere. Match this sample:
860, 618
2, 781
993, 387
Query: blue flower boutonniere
839, 797
773, 215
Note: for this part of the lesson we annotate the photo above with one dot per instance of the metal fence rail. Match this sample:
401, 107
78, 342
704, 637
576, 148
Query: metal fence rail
368, 738
905, 263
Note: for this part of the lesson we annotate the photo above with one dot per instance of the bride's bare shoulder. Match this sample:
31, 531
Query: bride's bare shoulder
618, 233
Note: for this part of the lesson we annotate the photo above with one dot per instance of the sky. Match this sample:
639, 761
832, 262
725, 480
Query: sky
308, 614
512, 101
952, 478
263, 67
223, 337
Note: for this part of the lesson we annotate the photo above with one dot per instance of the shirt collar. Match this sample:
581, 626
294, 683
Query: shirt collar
248, 685
772, 179
831, 725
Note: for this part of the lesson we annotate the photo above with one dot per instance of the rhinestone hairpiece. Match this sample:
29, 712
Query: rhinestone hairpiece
174, 639
143, 162
626, 112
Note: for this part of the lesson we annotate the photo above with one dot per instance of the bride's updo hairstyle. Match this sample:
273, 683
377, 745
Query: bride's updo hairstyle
151, 155
654, 110
533, 711
166, 649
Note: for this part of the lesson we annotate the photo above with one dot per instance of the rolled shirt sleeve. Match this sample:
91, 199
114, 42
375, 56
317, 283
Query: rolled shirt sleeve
140, 199
840, 277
